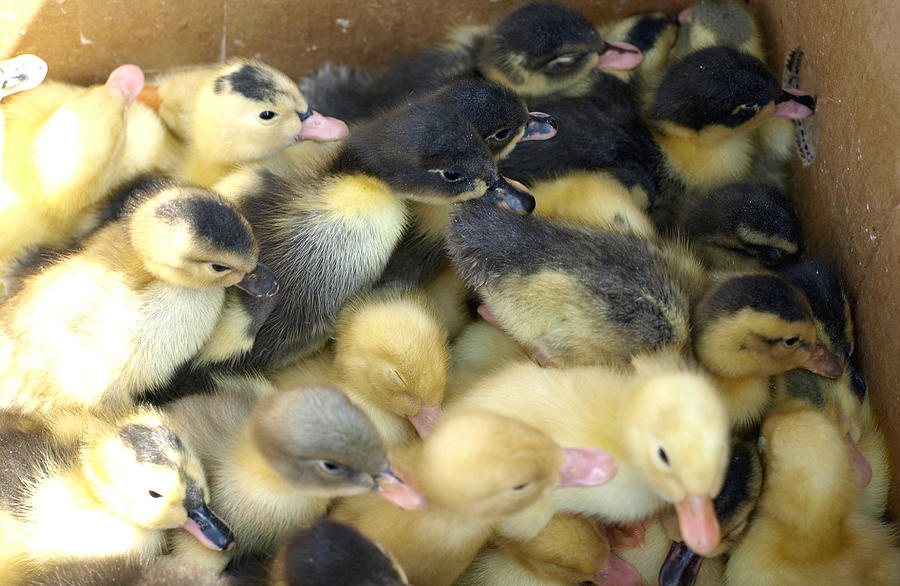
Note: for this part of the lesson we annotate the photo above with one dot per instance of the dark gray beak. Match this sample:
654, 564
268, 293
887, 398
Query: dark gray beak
510, 195
259, 283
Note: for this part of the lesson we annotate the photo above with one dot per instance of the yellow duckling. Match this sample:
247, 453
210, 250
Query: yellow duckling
111, 492
133, 569
238, 112
95, 330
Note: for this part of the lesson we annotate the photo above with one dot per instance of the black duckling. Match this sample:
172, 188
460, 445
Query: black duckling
654, 34
537, 49
95, 329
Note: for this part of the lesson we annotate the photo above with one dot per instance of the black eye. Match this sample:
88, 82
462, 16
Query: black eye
521, 486
500, 135
664, 456
219, 268
155, 494
329, 467
451, 176
267, 114
791, 342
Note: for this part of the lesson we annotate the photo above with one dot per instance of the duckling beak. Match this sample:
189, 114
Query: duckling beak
540, 127
680, 567
823, 362
617, 572
129, 80
511, 195
209, 529
391, 488
698, 523
315, 126
259, 283
685, 14
794, 104
619, 56
425, 418
586, 467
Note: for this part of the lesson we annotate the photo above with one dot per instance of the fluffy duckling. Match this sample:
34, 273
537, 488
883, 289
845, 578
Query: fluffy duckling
21, 73
872, 445
665, 425
805, 530
537, 49
111, 492
474, 468
742, 226
329, 553
276, 459
234, 113
133, 570
750, 326
331, 238
580, 296
478, 351
449, 298
390, 356
654, 34
65, 147
95, 330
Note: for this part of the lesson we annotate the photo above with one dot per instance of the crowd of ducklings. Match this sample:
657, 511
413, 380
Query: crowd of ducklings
526, 307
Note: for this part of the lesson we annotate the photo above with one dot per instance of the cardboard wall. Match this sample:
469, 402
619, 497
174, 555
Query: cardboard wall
848, 198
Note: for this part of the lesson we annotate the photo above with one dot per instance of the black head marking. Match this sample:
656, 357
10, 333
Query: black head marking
763, 292
489, 107
644, 33
193, 495
151, 444
542, 31
251, 81
212, 220
822, 287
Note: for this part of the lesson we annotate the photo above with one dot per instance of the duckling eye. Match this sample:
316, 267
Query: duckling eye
500, 135
791, 342
219, 268
564, 61
451, 176
330, 467
663, 456
155, 494
267, 114
520, 487
745, 107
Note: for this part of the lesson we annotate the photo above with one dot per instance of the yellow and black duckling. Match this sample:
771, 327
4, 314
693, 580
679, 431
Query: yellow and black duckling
654, 34
537, 49
749, 326
21, 73
65, 147
111, 490
234, 113
805, 529
276, 459
95, 329
330, 238
579, 296
390, 356
475, 468
664, 424
742, 226
329, 553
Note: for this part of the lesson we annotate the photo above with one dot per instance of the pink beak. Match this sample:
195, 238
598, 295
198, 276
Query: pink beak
392, 489
620, 56
586, 467
322, 128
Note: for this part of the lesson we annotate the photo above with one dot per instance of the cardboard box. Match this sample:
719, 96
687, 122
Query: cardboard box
849, 198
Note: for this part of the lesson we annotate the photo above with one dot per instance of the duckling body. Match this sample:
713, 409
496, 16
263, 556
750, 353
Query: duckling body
112, 339
235, 113
99, 484
276, 459
65, 148
132, 569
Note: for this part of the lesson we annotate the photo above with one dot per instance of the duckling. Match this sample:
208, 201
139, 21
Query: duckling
234, 113
537, 49
481, 349
742, 226
21, 73
448, 296
665, 425
133, 570
65, 147
276, 459
749, 326
334, 235
391, 358
474, 468
111, 492
579, 296
805, 530
872, 445
329, 553
654, 34
94, 330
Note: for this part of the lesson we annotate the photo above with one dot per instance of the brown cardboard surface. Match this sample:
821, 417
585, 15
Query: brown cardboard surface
848, 198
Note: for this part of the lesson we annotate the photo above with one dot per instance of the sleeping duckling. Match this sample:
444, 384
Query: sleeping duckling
805, 530
742, 226
474, 468
665, 425
238, 112
390, 356
330, 238
579, 296
537, 49
329, 553
276, 459
65, 147
21, 73
95, 329
111, 492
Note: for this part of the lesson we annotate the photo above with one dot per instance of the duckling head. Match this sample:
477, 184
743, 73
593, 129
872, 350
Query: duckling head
141, 471
676, 432
250, 111
192, 237
758, 324
718, 23
544, 47
394, 351
718, 93
316, 438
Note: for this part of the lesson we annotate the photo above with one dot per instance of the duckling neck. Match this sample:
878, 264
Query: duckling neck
432, 220
705, 165
747, 398
112, 246
206, 172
